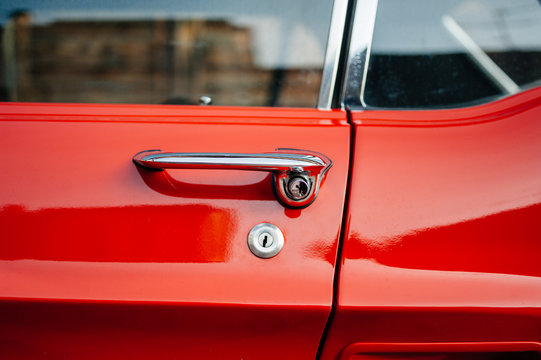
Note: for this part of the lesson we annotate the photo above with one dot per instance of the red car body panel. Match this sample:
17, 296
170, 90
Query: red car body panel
444, 228
435, 350
100, 258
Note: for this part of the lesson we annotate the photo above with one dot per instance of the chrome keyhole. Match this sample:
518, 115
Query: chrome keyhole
265, 240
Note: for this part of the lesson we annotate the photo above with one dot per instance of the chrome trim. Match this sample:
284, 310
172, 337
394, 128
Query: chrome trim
359, 52
254, 162
284, 164
332, 55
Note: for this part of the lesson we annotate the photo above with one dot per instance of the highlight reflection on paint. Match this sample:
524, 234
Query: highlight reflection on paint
170, 233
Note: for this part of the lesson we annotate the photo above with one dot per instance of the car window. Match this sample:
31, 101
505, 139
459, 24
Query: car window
243, 52
452, 53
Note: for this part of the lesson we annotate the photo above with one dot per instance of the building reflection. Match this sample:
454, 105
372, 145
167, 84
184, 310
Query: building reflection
148, 60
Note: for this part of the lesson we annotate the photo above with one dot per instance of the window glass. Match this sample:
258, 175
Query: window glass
243, 52
448, 53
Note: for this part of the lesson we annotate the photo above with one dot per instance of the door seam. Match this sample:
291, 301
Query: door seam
344, 229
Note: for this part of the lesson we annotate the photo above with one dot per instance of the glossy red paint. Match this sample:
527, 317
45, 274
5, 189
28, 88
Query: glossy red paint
86, 330
100, 258
444, 226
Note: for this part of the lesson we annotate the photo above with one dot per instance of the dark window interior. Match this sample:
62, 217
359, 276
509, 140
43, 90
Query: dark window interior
420, 61
425, 81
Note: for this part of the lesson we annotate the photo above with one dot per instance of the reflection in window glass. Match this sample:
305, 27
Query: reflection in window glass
244, 52
447, 53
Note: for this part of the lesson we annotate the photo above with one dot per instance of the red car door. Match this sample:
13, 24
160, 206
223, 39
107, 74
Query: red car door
105, 257
440, 258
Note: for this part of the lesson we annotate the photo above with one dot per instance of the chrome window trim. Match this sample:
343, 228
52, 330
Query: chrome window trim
364, 19
332, 55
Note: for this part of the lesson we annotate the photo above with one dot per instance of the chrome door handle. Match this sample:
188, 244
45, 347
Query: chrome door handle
296, 174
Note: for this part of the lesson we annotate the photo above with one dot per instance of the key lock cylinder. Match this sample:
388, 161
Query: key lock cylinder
296, 187
296, 184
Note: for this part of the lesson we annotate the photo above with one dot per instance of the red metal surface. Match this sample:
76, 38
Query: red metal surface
391, 351
100, 259
437, 351
444, 229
